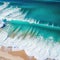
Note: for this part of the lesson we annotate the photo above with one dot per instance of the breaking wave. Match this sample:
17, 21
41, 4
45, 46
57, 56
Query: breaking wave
39, 40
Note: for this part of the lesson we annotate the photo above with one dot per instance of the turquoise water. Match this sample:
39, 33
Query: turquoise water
35, 29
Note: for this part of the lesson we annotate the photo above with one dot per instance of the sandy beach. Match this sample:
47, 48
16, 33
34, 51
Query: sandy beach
7, 54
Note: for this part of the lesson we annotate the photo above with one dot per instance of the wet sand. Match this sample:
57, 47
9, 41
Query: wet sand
7, 56
14, 55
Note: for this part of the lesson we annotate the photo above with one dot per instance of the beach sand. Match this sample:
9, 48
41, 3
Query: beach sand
8, 54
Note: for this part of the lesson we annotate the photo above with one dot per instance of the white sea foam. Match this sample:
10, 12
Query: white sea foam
37, 47
5, 4
13, 13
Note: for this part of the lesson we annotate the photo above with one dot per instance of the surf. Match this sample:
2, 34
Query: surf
25, 31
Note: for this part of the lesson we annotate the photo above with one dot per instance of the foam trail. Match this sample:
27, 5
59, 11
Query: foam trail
5, 4
5, 13
3, 35
14, 14
11, 13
